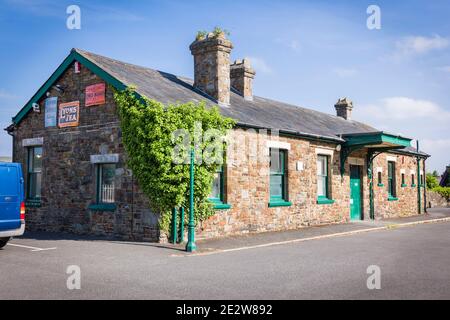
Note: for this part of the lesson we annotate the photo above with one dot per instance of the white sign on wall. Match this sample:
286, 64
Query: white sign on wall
51, 111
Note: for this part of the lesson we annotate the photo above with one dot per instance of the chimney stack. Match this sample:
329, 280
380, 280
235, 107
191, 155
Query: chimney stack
344, 108
212, 66
242, 76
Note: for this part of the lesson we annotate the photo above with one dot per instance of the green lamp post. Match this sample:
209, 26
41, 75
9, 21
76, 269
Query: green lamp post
190, 246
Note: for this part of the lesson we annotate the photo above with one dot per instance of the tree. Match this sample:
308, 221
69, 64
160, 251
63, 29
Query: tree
432, 181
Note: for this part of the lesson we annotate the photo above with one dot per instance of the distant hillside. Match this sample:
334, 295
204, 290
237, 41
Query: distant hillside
5, 159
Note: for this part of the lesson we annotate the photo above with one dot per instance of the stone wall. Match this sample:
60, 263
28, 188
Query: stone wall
68, 177
407, 195
68, 181
434, 199
247, 189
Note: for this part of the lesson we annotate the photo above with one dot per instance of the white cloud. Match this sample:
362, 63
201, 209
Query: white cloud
439, 151
260, 65
402, 108
445, 69
413, 45
345, 72
414, 118
292, 44
6, 95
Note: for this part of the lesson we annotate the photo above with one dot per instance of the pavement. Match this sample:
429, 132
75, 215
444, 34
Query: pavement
335, 263
318, 232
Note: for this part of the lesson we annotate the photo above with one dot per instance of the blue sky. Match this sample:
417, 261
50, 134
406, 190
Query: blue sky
308, 53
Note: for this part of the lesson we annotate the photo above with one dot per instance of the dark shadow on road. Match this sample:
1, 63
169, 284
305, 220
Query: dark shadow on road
64, 236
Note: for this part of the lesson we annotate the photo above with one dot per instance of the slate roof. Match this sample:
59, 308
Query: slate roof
259, 113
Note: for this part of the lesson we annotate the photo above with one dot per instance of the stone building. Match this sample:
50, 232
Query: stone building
312, 168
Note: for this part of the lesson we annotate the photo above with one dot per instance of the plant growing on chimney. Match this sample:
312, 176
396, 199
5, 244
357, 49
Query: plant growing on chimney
219, 31
201, 35
147, 128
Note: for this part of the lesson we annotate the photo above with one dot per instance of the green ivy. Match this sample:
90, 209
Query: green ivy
147, 128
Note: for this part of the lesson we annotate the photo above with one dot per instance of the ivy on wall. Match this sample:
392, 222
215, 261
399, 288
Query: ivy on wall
148, 128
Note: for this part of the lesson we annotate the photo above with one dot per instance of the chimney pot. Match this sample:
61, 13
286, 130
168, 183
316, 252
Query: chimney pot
212, 67
344, 108
242, 76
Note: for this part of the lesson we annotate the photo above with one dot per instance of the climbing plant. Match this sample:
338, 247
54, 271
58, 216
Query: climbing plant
151, 136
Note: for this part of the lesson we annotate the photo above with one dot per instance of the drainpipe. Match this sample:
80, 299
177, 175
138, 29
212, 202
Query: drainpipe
10, 131
372, 207
424, 187
419, 202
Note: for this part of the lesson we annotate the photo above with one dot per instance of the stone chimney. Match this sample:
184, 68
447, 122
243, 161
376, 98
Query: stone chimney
242, 76
344, 108
212, 66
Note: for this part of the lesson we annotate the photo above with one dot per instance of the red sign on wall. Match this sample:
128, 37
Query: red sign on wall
95, 95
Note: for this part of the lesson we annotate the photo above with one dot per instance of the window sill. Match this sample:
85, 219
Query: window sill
404, 185
103, 207
380, 185
219, 205
33, 203
279, 203
324, 201
222, 206
392, 199
413, 186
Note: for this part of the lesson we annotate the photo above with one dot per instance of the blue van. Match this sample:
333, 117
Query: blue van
12, 205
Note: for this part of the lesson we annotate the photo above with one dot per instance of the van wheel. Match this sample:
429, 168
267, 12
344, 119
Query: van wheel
3, 242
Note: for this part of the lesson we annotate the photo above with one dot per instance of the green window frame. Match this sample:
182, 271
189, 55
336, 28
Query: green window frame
403, 180
105, 183
34, 173
217, 196
380, 179
278, 178
413, 180
323, 180
392, 193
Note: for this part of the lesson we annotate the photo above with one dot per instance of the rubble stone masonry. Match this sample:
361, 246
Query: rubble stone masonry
69, 182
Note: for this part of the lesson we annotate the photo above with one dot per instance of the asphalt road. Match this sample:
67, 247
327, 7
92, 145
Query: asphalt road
414, 264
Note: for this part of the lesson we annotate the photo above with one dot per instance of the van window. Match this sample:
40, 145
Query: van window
9, 181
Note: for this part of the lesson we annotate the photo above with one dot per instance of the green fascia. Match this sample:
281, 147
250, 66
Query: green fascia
375, 139
392, 198
103, 207
404, 185
380, 185
324, 200
73, 56
33, 203
279, 203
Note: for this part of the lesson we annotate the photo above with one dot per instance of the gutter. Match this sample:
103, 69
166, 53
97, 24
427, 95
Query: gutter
297, 134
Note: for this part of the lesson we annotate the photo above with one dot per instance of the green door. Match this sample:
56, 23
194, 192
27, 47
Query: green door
355, 193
